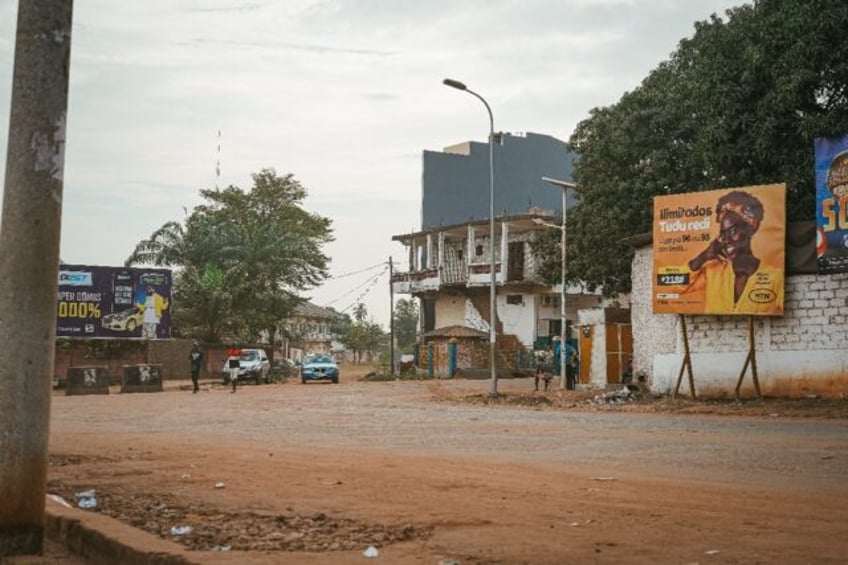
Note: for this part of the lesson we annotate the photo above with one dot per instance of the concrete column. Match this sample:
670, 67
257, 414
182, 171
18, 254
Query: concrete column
440, 242
504, 262
29, 260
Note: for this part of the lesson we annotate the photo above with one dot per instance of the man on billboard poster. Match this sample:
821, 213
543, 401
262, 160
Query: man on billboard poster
152, 307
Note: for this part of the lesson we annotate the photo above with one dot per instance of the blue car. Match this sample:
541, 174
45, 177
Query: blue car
319, 368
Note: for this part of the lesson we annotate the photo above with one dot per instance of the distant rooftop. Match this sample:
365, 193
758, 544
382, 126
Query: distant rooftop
309, 310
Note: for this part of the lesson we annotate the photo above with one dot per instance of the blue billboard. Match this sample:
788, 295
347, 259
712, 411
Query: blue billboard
113, 302
832, 204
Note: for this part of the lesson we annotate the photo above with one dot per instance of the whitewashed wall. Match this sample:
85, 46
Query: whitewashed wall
803, 352
519, 319
450, 310
598, 363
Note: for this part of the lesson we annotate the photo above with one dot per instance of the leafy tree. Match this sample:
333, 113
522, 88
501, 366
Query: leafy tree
406, 324
242, 257
738, 103
341, 324
362, 337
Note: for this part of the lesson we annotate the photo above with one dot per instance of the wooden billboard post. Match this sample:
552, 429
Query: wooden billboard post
751, 360
687, 362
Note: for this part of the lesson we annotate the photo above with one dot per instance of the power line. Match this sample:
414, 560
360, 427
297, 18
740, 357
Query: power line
364, 293
337, 277
354, 289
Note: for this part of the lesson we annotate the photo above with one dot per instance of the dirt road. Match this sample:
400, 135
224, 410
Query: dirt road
318, 473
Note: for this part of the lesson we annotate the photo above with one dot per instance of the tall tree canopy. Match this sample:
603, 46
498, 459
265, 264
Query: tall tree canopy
739, 103
361, 336
242, 258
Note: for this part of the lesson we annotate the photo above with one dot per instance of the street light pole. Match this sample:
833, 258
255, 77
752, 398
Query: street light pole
564, 186
492, 283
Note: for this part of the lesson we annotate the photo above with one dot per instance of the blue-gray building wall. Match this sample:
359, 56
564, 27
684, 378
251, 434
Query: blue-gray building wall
455, 187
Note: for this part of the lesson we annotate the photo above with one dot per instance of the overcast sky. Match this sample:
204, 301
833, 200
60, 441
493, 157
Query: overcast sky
343, 94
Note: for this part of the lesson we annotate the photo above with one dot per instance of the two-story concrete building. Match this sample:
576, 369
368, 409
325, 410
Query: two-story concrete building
449, 271
449, 260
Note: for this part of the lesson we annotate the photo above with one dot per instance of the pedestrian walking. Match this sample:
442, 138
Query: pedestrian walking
195, 358
234, 364
544, 368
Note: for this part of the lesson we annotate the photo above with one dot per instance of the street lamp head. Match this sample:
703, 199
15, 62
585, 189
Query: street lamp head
454, 84
560, 183
541, 222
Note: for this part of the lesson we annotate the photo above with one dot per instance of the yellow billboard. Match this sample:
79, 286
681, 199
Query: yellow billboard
720, 251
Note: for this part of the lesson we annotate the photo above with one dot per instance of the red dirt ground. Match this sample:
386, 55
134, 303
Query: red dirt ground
437, 473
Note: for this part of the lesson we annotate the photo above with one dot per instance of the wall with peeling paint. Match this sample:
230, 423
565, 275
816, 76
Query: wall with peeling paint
801, 353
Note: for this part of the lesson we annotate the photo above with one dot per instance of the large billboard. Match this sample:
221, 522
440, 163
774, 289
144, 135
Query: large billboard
113, 302
832, 204
720, 251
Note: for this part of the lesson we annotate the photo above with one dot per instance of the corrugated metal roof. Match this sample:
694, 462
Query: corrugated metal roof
309, 310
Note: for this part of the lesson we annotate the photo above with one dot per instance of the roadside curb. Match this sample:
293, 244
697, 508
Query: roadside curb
103, 540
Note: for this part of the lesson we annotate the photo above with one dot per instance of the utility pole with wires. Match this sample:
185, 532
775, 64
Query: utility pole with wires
29, 246
391, 319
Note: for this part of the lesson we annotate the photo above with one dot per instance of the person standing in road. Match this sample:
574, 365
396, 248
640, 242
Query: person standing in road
234, 363
195, 357
557, 357
570, 366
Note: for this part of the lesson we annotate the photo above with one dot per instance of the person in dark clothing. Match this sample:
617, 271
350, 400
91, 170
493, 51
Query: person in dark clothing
195, 357
571, 364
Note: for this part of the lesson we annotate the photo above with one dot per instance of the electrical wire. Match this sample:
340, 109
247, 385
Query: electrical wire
357, 272
373, 282
357, 287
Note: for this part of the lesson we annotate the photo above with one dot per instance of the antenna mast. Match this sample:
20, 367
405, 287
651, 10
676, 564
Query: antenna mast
218, 162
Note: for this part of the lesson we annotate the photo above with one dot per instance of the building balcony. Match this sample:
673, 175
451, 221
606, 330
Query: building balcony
432, 279
480, 274
416, 281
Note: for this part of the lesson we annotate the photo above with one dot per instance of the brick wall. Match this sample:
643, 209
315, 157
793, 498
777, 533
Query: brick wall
172, 354
803, 352
470, 354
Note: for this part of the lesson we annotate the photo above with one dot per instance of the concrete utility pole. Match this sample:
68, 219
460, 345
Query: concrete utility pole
391, 319
29, 262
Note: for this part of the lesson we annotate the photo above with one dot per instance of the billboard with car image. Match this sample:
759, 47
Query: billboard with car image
113, 302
